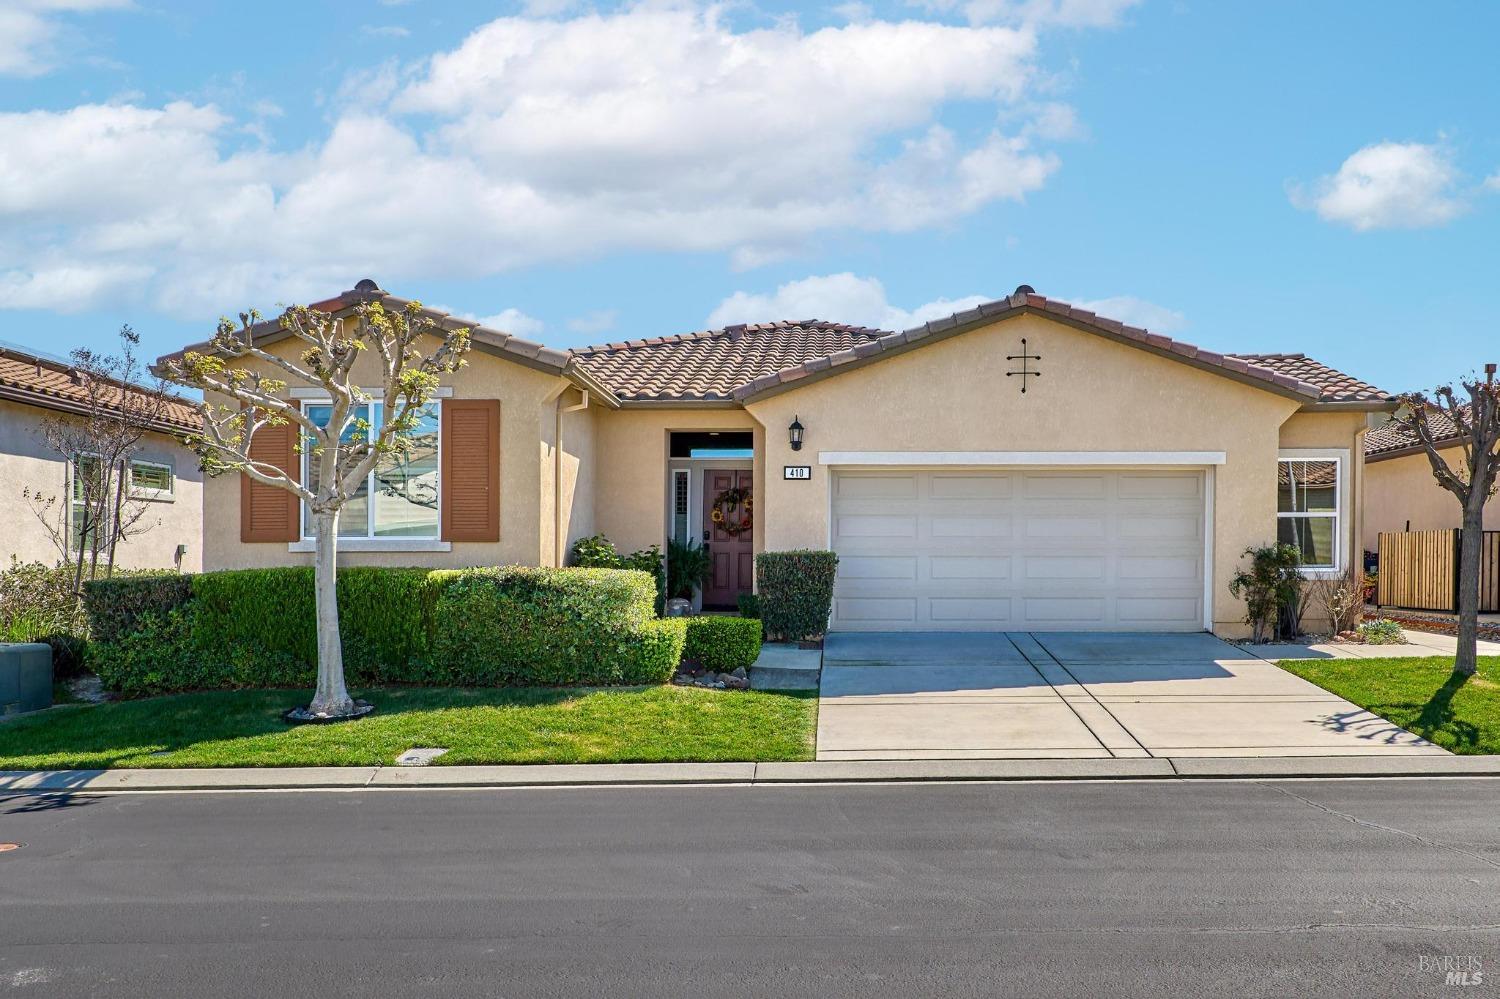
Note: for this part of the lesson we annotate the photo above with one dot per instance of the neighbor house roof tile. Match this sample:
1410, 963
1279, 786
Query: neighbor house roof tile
52, 384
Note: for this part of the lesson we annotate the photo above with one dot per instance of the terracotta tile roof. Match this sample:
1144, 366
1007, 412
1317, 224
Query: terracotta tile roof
1392, 437
1335, 385
710, 365
52, 384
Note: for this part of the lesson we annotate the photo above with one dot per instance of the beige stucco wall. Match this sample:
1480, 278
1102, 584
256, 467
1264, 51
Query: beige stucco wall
630, 506
1094, 395
26, 462
1402, 490
527, 430
578, 476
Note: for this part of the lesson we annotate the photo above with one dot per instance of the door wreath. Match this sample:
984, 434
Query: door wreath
729, 503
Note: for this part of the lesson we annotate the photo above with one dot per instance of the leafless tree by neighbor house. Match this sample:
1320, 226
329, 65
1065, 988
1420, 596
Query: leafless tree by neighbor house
100, 508
1470, 417
245, 388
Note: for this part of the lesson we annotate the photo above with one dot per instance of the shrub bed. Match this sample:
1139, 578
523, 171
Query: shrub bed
722, 644
505, 626
796, 592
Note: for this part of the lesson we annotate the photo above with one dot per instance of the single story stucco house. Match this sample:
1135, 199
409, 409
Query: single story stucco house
1021, 465
1400, 491
37, 390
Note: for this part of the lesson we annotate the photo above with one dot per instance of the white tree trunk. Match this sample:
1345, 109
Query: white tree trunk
332, 697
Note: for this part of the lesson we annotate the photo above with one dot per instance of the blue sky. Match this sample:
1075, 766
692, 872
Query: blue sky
1246, 176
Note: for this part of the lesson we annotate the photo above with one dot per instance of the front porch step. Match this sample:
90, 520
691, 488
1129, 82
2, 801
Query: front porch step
786, 667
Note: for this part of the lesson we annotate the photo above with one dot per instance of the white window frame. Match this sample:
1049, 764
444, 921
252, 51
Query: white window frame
75, 539
166, 495
370, 541
1339, 514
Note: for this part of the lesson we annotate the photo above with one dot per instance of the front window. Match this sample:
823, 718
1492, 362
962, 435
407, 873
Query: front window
1307, 509
404, 486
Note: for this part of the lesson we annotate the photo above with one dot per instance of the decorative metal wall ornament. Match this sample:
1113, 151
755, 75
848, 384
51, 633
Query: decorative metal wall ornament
1025, 359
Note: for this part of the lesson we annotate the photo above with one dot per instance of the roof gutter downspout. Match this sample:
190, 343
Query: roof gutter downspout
558, 540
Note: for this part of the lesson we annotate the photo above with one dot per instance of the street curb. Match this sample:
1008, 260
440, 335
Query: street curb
827, 772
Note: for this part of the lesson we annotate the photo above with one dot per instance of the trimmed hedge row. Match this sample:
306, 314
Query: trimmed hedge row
722, 644
795, 590
510, 625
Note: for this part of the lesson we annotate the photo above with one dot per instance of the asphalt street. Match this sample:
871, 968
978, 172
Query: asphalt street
1285, 888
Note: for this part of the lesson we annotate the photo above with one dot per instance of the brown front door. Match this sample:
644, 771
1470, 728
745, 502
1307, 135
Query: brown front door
732, 555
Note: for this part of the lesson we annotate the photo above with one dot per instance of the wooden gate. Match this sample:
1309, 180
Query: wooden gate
1419, 570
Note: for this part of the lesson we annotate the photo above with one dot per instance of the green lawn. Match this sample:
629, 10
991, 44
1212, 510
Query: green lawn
525, 725
1421, 695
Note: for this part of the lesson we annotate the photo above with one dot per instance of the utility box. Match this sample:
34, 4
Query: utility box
25, 678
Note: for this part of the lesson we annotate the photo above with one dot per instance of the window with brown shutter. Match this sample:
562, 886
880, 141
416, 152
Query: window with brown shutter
270, 513
470, 477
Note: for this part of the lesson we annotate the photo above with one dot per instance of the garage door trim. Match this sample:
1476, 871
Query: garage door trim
923, 460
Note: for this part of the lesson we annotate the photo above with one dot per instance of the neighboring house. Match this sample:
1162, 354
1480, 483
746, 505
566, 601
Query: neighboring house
1021, 465
36, 389
1402, 494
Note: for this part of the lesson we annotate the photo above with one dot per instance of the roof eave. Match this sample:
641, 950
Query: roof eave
942, 329
1353, 406
42, 400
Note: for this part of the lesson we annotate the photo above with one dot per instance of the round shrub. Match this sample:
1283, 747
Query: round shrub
722, 644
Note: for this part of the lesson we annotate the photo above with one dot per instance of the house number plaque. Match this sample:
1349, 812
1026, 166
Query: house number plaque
796, 472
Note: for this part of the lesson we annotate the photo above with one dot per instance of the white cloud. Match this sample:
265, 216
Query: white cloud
1388, 185
862, 301
513, 321
1134, 311
1037, 13
29, 31
384, 30
676, 133
594, 323
1492, 182
839, 298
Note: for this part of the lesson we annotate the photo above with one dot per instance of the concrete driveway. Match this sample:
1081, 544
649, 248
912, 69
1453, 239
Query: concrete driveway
1052, 695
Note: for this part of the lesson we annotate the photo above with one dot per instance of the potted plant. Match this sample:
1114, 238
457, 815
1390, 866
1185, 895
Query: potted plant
688, 566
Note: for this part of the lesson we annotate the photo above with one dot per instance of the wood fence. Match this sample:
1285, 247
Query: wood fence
1419, 570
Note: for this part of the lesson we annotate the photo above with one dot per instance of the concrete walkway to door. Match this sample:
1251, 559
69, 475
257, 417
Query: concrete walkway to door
993, 695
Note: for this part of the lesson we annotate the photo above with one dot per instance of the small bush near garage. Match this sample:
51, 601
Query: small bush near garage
796, 592
1382, 632
722, 644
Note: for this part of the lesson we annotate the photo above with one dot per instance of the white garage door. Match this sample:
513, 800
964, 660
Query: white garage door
1031, 549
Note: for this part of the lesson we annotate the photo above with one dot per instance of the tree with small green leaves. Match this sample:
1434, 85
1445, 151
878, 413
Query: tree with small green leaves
245, 390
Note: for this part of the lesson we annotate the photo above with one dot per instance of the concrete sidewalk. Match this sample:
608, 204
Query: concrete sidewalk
1418, 644
731, 774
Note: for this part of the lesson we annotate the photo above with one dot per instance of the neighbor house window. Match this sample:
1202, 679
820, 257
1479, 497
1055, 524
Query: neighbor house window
84, 501
1308, 495
399, 499
150, 479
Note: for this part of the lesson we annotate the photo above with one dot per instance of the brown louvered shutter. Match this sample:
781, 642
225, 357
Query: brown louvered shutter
471, 470
270, 513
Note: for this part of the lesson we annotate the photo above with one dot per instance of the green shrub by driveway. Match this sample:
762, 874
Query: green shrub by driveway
796, 592
488, 725
722, 644
1422, 695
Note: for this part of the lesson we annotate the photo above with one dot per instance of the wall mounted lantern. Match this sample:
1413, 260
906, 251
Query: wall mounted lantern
794, 433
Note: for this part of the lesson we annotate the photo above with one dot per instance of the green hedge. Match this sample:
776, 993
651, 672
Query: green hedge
511, 625
114, 606
796, 592
722, 644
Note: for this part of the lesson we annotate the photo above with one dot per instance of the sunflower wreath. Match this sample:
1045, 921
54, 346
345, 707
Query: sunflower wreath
726, 505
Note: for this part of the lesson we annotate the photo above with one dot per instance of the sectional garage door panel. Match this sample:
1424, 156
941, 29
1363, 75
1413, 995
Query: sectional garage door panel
978, 550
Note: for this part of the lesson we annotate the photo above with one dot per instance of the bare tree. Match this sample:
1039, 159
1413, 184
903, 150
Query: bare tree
347, 446
1443, 420
122, 402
